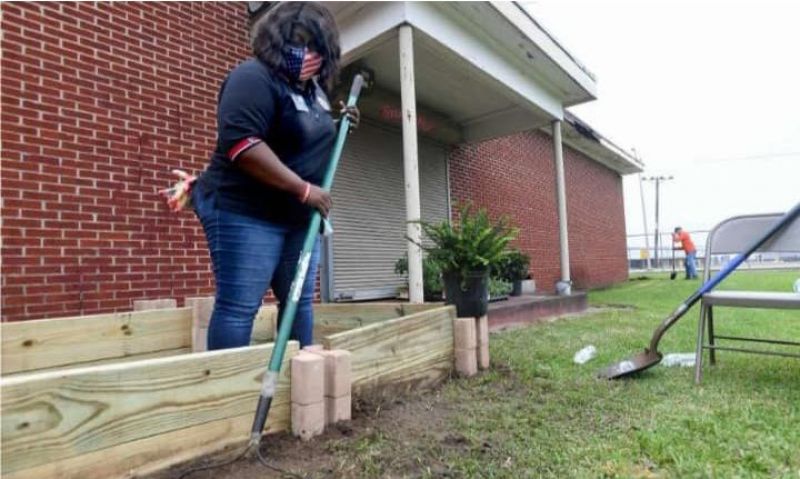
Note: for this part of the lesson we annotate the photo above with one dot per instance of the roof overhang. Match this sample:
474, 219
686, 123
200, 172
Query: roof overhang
579, 136
487, 67
482, 70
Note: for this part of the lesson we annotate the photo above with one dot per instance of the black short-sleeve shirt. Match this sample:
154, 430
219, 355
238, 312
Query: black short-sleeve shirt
255, 104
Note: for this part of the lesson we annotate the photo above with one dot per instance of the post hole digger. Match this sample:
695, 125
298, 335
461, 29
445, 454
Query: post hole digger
289, 309
650, 357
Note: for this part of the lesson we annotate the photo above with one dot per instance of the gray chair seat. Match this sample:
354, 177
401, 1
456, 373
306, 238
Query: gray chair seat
753, 299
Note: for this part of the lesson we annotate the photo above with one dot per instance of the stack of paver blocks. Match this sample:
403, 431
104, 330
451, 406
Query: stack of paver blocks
321, 390
471, 338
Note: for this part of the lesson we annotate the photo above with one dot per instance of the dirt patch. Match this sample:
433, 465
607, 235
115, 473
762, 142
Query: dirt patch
417, 425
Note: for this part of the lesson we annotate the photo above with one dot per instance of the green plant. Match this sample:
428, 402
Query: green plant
431, 276
513, 266
474, 243
499, 287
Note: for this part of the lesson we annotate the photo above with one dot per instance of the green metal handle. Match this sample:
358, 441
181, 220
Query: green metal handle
289, 310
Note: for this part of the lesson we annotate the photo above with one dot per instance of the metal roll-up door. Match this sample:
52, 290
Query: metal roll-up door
369, 217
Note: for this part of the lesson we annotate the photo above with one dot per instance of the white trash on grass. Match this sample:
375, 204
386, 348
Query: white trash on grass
683, 360
585, 355
797, 286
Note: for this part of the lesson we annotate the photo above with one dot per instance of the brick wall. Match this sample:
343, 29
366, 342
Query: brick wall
99, 102
515, 176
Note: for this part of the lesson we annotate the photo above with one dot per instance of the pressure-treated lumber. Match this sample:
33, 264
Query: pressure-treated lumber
47, 343
148, 304
264, 324
53, 417
202, 307
332, 318
411, 350
152, 454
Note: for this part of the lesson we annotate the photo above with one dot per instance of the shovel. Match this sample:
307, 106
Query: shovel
674, 273
650, 357
270, 379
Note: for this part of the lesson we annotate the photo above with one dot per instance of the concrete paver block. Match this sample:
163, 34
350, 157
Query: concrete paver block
482, 324
483, 356
308, 420
464, 334
338, 373
466, 362
314, 348
308, 375
338, 409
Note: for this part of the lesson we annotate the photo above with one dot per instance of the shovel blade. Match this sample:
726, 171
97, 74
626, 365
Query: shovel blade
632, 365
673, 275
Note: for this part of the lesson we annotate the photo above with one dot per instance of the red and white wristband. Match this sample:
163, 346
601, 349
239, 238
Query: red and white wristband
306, 193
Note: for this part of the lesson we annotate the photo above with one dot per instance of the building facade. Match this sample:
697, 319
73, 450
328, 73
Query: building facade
101, 100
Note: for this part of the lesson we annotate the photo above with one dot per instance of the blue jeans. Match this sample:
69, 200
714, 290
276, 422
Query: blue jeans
248, 256
691, 265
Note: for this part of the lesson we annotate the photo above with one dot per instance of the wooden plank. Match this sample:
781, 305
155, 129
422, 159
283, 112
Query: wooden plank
149, 455
101, 362
47, 343
332, 318
202, 308
148, 304
50, 417
264, 324
415, 349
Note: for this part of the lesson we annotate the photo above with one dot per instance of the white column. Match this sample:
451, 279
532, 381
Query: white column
561, 192
411, 162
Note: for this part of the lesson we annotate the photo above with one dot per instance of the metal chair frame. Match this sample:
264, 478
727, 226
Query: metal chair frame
732, 236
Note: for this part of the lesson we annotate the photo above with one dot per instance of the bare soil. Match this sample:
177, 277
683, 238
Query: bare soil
416, 424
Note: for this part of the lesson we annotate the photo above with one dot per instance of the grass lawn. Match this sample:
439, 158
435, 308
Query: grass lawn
537, 414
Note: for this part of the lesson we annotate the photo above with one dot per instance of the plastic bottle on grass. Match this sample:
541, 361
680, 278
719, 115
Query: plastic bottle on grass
585, 355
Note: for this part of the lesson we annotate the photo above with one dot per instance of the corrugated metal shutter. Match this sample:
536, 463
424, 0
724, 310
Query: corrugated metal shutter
369, 210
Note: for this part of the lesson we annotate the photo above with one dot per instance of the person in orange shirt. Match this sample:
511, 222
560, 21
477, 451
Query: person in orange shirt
683, 241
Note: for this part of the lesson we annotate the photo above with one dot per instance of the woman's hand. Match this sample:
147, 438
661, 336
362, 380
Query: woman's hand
352, 113
319, 199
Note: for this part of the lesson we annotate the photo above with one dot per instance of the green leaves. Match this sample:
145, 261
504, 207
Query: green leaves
473, 243
513, 266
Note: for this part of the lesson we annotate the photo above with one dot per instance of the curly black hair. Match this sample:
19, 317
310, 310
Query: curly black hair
274, 30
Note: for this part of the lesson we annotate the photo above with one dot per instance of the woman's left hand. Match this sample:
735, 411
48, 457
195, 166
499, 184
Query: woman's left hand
352, 113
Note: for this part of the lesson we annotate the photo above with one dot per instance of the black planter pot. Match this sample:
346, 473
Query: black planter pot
473, 299
517, 290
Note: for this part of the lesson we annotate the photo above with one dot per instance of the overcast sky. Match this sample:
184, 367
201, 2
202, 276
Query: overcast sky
708, 92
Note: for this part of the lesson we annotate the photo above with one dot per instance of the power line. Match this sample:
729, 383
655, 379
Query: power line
769, 156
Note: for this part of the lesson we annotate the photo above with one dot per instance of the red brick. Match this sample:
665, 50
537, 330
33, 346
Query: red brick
523, 188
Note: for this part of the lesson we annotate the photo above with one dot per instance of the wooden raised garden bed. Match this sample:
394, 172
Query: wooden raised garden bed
118, 395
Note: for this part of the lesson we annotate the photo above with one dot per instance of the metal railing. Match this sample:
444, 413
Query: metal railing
638, 255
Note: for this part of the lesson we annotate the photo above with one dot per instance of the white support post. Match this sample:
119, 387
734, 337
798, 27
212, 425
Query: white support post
561, 192
411, 163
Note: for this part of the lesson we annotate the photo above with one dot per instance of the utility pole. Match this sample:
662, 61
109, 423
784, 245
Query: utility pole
647, 263
658, 180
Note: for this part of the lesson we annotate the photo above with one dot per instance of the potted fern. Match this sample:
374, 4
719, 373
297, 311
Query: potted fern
514, 269
431, 276
465, 251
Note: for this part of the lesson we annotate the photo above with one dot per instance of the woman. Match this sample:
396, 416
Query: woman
275, 136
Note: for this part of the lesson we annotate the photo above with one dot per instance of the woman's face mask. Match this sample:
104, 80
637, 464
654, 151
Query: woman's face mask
301, 63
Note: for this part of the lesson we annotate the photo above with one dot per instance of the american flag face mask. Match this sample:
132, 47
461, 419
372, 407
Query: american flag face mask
301, 63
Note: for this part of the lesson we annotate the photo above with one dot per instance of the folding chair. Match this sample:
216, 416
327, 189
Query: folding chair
733, 236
